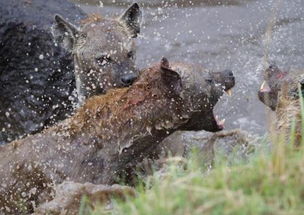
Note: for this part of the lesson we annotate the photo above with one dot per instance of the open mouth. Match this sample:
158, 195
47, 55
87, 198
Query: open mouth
268, 96
221, 122
204, 118
229, 92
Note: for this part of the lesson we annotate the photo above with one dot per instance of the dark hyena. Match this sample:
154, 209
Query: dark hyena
103, 50
206, 88
108, 134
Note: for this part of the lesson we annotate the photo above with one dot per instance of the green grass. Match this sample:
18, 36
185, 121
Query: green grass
271, 182
268, 184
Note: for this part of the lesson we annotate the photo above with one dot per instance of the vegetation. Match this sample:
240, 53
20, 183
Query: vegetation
266, 185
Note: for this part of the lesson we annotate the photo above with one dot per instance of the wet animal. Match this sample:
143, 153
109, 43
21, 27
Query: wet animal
103, 51
105, 136
206, 88
280, 91
94, 145
37, 79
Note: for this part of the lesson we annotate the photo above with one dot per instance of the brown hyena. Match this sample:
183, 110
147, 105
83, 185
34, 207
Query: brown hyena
108, 134
202, 89
103, 50
105, 136
280, 92
94, 145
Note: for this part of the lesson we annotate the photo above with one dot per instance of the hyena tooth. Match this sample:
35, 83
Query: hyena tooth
222, 122
229, 92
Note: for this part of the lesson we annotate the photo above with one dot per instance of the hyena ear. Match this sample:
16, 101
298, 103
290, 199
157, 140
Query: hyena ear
132, 19
170, 78
164, 63
64, 33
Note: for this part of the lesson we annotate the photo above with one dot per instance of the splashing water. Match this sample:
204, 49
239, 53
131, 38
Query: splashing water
241, 35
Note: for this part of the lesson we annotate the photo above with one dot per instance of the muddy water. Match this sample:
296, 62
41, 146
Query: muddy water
227, 34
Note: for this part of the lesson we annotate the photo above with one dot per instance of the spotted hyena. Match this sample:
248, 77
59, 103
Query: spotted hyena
37, 78
105, 136
280, 92
108, 134
94, 145
103, 50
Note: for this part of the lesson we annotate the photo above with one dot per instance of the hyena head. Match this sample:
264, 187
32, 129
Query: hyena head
103, 50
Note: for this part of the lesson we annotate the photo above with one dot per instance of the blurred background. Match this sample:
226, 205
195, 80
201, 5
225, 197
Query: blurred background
241, 35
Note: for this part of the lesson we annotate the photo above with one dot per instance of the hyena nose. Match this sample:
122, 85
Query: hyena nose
229, 79
228, 73
128, 79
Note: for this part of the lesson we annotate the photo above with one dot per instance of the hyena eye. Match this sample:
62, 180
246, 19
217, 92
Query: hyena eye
209, 80
130, 54
103, 60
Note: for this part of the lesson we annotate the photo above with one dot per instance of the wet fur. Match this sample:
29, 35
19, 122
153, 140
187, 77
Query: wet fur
36, 92
106, 135
103, 50
95, 145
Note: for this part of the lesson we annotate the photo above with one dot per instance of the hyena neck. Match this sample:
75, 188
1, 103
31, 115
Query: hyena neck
87, 84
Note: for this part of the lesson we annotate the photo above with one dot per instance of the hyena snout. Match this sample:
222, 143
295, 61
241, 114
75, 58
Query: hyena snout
225, 78
228, 79
128, 79
126, 74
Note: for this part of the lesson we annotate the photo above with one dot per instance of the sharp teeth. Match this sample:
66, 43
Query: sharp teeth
263, 85
222, 122
229, 92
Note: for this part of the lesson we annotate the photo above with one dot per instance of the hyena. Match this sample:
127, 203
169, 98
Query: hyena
36, 77
94, 145
103, 51
37, 81
280, 92
206, 88
106, 135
